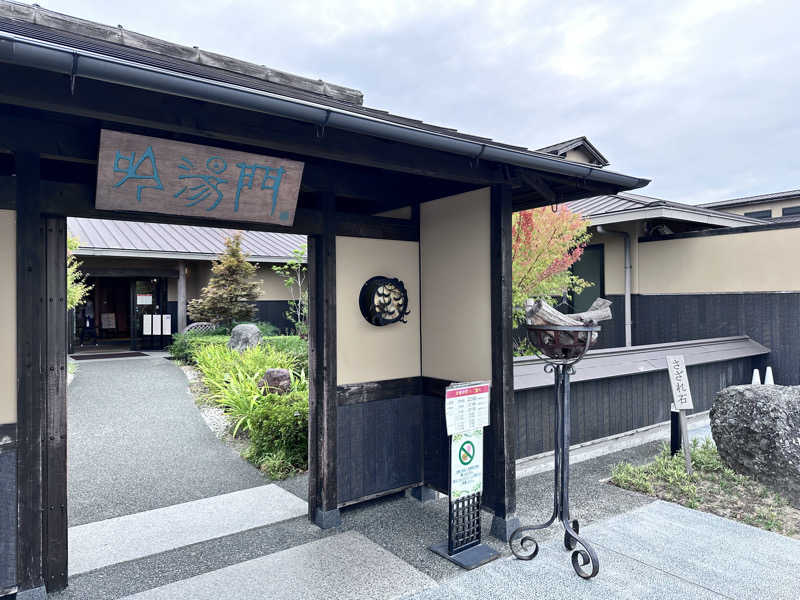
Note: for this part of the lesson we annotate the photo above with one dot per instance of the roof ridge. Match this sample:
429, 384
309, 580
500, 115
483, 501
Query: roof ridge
37, 15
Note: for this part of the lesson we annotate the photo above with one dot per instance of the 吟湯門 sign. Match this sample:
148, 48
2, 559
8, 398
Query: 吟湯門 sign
679, 379
146, 174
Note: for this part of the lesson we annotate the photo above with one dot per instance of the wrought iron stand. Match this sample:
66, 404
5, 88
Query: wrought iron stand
560, 347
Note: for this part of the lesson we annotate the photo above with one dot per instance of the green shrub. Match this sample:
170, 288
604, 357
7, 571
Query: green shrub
232, 377
185, 345
293, 345
279, 434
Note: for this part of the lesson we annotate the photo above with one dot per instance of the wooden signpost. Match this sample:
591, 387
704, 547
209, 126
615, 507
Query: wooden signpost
154, 175
681, 401
466, 414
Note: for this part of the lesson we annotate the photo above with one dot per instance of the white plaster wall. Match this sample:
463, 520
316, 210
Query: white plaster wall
366, 352
8, 316
761, 261
456, 292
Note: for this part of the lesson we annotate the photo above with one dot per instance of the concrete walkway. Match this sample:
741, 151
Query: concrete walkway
193, 520
136, 442
660, 550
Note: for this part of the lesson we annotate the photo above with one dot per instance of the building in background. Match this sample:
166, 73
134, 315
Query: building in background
678, 272
138, 270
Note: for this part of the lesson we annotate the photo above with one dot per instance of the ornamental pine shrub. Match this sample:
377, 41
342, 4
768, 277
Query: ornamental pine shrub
230, 292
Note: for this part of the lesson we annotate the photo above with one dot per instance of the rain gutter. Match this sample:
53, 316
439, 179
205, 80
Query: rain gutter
48, 56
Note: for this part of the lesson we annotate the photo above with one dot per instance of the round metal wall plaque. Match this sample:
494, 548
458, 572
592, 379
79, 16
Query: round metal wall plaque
383, 301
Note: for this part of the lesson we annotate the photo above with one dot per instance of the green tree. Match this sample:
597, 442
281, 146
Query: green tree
546, 242
77, 288
230, 292
294, 275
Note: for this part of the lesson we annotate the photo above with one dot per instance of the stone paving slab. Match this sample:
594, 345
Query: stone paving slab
661, 550
103, 543
342, 566
733, 559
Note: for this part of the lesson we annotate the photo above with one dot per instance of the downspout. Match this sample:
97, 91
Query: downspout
628, 317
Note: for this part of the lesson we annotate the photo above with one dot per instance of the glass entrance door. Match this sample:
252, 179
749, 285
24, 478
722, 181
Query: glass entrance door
149, 304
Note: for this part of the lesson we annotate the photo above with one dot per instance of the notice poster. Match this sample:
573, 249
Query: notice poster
466, 406
156, 324
166, 324
466, 463
108, 321
147, 325
679, 379
144, 299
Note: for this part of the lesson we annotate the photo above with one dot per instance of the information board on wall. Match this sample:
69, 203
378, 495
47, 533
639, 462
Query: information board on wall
156, 175
466, 406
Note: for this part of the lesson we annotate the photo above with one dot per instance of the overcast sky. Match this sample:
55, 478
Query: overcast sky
701, 96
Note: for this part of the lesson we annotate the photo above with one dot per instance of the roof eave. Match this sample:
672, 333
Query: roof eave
672, 213
161, 254
34, 53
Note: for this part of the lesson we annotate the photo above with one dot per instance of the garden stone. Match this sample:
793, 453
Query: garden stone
244, 336
757, 431
277, 381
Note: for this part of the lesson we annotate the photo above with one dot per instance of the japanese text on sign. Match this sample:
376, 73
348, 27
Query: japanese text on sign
138, 173
466, 463
466, 406
678, 378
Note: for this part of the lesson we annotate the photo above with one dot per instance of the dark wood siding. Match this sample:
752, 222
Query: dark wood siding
8, 512
769, 318
604, 407
379, 447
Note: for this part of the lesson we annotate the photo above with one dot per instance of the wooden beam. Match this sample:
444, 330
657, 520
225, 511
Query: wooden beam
55, 473
30, 384
77, 200
537, 184
323, 504
142, 108
73, 146
500, 458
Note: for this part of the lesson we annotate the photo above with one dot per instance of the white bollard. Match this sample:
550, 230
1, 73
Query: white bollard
756, 378
768, 380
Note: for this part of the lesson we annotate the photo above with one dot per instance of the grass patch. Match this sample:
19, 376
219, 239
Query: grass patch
713, 488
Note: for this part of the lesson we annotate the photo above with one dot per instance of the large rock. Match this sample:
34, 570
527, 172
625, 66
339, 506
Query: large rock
757, 432
244, 336
276, 381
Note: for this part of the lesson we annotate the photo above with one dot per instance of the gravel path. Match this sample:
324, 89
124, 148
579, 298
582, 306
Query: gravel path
138, 442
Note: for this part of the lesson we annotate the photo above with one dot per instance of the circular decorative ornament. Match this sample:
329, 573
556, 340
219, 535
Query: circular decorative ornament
383, 301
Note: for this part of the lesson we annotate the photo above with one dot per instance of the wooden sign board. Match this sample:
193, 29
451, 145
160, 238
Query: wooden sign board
138, 173
679, 379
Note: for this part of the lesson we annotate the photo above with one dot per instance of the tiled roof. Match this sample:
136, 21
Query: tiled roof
129, 238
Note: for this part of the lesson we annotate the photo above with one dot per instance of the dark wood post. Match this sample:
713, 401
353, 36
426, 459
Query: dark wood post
500, 452
55, 457
322, 428
30, 359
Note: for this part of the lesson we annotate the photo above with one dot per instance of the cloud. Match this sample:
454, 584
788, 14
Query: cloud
700, 95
